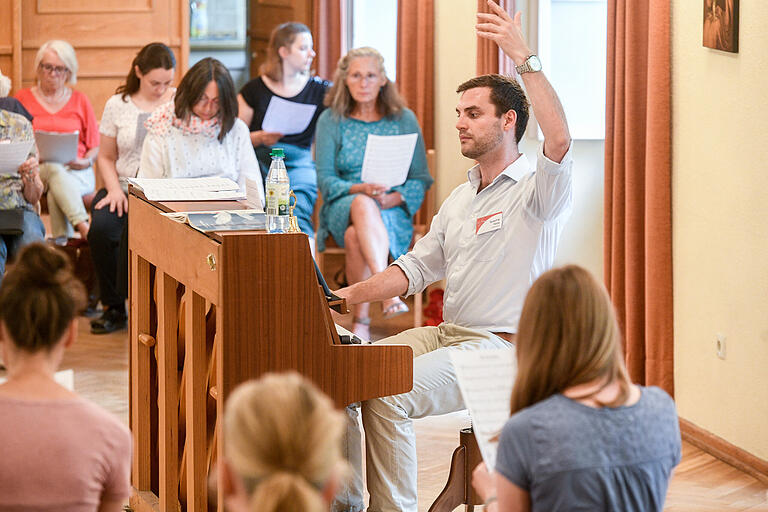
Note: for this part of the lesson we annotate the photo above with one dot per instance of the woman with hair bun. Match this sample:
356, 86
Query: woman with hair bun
147, 86
59, 451
282, 446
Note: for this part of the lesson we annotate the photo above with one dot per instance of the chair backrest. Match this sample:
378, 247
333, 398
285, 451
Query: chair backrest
423, 217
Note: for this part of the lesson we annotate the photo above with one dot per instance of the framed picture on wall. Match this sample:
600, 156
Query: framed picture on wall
721, 25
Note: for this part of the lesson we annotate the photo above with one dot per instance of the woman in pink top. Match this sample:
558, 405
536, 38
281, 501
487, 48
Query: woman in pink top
59, 108
58, 451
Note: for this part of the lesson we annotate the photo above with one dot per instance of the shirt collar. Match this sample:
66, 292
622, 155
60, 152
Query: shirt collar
515, 171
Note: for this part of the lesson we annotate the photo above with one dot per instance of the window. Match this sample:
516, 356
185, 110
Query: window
572, 47
374, 24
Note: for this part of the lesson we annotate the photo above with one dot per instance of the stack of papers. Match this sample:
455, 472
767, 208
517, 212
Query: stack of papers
57, 147
387, 158
188, 189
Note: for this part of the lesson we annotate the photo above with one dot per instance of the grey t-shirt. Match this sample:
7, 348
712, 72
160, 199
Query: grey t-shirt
569, 456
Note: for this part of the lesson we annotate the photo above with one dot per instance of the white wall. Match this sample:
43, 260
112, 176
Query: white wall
720, 226
455, 54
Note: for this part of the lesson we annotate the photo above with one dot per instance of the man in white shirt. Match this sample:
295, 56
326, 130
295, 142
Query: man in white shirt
491, 238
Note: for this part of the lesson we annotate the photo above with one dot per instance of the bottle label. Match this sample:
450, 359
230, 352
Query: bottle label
277, 198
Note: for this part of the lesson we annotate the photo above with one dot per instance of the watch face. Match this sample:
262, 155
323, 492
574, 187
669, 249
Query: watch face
534, 63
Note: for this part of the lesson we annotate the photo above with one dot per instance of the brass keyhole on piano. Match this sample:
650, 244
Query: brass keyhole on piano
211, 260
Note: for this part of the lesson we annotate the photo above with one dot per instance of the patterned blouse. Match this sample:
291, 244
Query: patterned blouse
14, 128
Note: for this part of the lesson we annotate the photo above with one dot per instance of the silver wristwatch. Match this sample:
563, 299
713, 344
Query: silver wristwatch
531, 65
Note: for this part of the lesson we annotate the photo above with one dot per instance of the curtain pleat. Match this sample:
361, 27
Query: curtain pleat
327, 32
415, 61
638, 214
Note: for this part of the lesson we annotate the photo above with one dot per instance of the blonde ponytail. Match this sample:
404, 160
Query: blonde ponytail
283, 438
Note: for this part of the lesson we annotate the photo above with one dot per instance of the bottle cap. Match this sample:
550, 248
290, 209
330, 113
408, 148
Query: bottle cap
277, 152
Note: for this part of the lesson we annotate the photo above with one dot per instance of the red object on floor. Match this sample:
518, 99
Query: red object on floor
433, 311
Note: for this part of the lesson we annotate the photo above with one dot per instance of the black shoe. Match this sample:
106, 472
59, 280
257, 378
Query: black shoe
112, 320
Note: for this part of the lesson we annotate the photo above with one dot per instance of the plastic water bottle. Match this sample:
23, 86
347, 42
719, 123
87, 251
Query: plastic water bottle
277, 190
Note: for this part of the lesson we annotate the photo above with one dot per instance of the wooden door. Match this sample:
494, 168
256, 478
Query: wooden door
106, 35
266, 15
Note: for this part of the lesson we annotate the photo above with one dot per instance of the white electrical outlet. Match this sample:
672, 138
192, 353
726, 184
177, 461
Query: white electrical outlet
720, 345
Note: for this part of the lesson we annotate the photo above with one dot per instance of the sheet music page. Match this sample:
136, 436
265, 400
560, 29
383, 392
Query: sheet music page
12, 155
387, 158
485, 379
57, 147
287, 117
64, 378
213, 188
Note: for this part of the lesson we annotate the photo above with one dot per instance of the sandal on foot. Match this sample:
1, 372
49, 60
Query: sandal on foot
398, 307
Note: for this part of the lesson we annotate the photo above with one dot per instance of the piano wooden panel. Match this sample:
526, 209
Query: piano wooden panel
209, 311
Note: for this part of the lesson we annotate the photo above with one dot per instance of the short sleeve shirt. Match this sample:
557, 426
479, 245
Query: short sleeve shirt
75, 116
124, 121
257, 95
570, 456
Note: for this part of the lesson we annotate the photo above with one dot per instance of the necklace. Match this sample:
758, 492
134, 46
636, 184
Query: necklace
57, 97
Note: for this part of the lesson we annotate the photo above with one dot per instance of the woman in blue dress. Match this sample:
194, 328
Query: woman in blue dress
371, 221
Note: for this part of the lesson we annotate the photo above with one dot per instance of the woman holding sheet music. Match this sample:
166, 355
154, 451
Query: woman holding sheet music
147, 86
198, 134
59, 108
372, 221
581, 435
285, 79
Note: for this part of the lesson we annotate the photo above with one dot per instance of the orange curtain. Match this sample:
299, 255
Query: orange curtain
489, 58
638, 211
416, 61
327, 32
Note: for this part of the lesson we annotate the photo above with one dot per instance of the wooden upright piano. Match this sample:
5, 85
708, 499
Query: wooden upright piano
209, 311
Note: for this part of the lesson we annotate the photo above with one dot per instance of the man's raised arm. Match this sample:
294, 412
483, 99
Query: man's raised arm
506, 32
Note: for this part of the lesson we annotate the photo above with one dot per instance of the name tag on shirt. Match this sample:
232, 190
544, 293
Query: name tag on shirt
488, 223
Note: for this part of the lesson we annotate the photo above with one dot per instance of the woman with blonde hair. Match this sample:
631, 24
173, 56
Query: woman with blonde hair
56, 107
282, 446
372, 221
286, 76
581, 435
59, 451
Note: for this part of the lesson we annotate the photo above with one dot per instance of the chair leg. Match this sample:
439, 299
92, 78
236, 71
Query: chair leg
458, 489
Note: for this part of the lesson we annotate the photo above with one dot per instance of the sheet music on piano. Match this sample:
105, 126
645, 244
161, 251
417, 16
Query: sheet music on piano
485, 379
211, 188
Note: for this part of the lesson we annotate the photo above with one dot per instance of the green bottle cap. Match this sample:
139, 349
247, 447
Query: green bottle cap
277, 152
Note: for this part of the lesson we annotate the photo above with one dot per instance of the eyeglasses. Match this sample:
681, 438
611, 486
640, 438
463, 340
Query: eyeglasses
49, 68
359, 77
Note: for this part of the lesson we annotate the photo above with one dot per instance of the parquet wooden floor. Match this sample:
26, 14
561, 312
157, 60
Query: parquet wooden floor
701, 483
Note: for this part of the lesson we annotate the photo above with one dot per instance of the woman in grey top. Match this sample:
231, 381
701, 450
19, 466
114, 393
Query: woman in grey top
581, 435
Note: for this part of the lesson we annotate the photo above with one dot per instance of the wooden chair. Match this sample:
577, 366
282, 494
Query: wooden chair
421, 223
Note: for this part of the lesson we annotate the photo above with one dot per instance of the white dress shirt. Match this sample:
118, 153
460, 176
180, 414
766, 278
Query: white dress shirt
490, 259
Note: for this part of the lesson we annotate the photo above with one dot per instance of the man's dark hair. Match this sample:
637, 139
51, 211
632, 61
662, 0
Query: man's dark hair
192, 88
506, 94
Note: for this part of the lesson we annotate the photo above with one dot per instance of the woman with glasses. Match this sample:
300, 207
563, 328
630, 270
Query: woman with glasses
198, 134
286, 76
371, 221
147, 86
56, 107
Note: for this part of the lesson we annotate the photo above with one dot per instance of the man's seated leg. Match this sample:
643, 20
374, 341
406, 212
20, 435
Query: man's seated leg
349, 497
390, 442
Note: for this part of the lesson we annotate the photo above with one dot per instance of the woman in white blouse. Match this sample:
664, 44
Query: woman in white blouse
147, 86
199, 134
